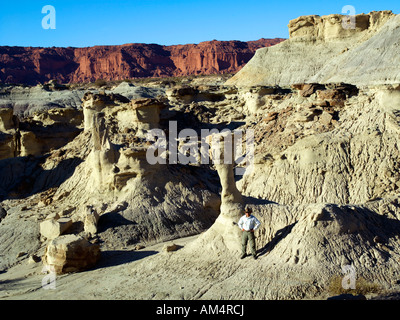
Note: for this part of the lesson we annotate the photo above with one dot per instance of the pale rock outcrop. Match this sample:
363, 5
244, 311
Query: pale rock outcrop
29, 144
322, 50
53, 228
8, 141
7, 121
372, 62
115, 164
103, 155
90, 220
93, 103
54, 116
222, 152
71, 253
330, 27
146, 115
224, 229
108, 163
38, 134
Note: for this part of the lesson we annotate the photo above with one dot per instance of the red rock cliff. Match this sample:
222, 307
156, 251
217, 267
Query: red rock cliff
29, 65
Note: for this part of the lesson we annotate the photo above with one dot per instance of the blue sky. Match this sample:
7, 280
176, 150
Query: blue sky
104, 22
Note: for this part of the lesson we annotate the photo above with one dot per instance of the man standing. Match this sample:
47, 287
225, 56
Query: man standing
248, 224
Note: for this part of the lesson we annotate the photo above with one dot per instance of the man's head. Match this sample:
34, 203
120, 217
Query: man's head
248, 211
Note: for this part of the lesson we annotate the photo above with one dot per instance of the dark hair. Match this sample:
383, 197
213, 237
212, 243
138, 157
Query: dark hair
248, 210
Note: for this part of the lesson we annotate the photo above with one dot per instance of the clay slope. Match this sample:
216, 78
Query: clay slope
321, 50
70, 65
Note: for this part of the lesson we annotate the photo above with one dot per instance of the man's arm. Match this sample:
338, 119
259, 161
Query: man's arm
257, 224
240, 223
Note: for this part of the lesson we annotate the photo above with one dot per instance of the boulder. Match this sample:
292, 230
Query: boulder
52, 228
169, 248
325, 118
310, 88
71, 253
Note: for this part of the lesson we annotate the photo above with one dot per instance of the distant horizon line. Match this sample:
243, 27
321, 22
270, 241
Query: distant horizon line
141, 43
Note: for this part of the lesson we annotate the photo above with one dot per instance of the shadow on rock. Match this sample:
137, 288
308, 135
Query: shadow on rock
113, 219
24, 176
256, 201
279, 235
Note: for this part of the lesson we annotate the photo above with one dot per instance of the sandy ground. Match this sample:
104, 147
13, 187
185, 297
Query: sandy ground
109, 280
154, 274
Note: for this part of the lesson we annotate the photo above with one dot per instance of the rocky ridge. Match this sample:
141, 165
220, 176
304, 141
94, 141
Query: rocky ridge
75, 65
321, 50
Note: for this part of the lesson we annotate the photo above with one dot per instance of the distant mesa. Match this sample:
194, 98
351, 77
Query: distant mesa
28, 65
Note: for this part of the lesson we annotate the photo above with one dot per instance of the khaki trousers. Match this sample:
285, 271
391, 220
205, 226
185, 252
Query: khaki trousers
248, 236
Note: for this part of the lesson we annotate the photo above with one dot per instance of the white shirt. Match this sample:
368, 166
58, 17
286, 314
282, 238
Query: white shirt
248, 223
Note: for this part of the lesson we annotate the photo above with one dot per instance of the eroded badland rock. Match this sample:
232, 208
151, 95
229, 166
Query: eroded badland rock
323, 182
328, 49
6, 119
37, 135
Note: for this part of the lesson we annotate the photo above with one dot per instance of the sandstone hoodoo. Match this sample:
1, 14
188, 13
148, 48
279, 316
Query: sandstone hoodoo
318, 163
71, 65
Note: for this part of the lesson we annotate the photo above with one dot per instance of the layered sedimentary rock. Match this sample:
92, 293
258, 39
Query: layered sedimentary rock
37, 135
38, 65
25, 101
71, 253
329, 49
